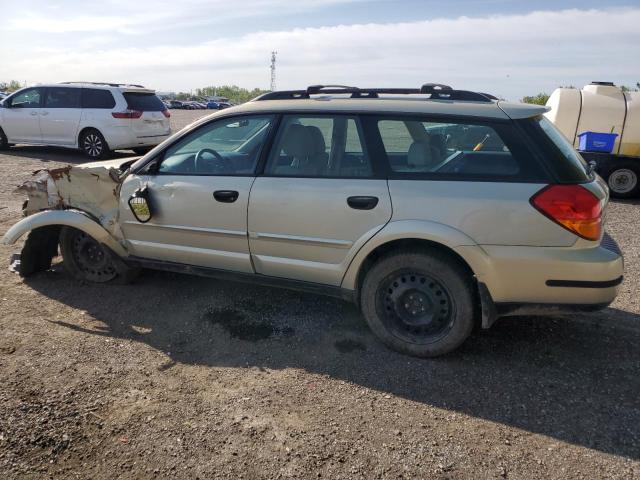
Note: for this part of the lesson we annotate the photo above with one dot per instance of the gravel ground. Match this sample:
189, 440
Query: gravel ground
183, 377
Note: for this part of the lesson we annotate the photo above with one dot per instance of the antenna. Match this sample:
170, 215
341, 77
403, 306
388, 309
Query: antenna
273, 70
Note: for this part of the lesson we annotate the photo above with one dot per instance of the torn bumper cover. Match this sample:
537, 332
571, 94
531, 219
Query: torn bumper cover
85, 197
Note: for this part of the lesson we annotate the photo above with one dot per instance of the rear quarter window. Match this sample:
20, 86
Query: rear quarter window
144, 102
566, 164
422, 148
95, 98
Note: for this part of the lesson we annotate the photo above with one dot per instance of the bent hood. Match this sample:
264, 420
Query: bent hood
92, 187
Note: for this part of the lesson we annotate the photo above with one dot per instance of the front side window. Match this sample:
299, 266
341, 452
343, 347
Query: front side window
95, 98
60, 97
456, 150
229, 146
27, 99
322, 146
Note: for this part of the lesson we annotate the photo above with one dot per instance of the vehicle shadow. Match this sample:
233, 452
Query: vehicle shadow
575, 381
59, 154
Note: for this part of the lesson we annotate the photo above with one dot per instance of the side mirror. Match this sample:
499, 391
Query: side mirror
140, 205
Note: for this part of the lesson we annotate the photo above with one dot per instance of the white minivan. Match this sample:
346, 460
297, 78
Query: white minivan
94, 117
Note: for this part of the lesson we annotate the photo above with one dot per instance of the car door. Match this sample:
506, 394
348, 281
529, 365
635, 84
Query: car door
60, 115
199, 191
319, 200
21, 117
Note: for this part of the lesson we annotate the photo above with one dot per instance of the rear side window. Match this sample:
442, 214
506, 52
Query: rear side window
61, 97
457, 150
567, 165
94, 98
144, 102
321, 146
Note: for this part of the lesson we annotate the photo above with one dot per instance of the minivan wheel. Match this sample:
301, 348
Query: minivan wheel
89, 261
623, 181
4, 143
419, 303
94, 145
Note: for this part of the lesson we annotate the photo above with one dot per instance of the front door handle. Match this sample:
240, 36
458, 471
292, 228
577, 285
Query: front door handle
362, 202
44, 113
226, 196
34, 113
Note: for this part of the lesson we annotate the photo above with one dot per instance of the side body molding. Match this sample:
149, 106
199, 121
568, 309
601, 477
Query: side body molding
71, 218
419, 230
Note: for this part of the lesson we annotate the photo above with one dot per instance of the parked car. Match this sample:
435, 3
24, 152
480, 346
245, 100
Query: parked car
94, 117
432, 209
211, 105
176, 104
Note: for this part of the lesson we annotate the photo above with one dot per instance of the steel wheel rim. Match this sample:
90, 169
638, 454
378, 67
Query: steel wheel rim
623, 180
91, 258
92, 144
415, 307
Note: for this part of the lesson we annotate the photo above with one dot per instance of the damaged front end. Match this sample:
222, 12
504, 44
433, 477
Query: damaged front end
85, 197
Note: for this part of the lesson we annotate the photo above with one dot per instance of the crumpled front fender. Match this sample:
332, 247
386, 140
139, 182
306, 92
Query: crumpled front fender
71, 218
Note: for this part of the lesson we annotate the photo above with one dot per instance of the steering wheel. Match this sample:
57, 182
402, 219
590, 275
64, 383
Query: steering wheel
201, 164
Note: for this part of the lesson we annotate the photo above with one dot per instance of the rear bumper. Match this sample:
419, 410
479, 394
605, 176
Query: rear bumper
551, 276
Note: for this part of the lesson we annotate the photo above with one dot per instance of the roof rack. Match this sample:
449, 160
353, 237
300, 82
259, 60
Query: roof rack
436, 91
110, 84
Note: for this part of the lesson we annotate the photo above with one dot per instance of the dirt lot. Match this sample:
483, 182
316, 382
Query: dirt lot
184, 377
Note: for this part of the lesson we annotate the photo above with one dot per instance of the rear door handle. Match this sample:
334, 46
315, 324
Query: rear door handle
362, 202
44, 113
226, 196
34, 113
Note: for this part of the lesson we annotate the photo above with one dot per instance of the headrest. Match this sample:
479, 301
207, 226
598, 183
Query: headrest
297, 141
317, 140
419, 154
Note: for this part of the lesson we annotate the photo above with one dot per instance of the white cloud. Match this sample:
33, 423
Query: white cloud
143, 16
509, 55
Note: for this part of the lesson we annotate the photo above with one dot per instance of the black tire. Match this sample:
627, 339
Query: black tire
419, 303
624, 180
89, 261
93, 144
142, 150
4, 143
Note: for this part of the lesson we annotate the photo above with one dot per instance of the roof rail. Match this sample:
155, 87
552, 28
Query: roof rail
436, 91
110, 84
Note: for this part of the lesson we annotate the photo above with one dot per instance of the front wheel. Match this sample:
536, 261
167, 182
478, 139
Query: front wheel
93, 144
623, 181
419, 303
89, 261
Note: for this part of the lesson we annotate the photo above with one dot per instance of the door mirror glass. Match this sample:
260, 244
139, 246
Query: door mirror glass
140, 205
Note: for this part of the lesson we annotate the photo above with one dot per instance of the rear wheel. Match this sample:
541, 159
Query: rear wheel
623, 181
419, 303
4, 143
93, 144
141, 150
89, 261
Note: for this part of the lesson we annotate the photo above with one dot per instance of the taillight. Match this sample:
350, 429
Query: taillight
166, 113
127, 114
572, 207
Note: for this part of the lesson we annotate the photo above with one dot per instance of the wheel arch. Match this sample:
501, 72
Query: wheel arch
411, 234
71, 218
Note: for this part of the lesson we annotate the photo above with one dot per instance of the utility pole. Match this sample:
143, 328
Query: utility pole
273, 70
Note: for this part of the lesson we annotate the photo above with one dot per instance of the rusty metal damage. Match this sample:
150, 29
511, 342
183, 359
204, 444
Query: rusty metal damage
93, 188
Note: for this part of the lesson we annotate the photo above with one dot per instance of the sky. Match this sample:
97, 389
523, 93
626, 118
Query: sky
505, 47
